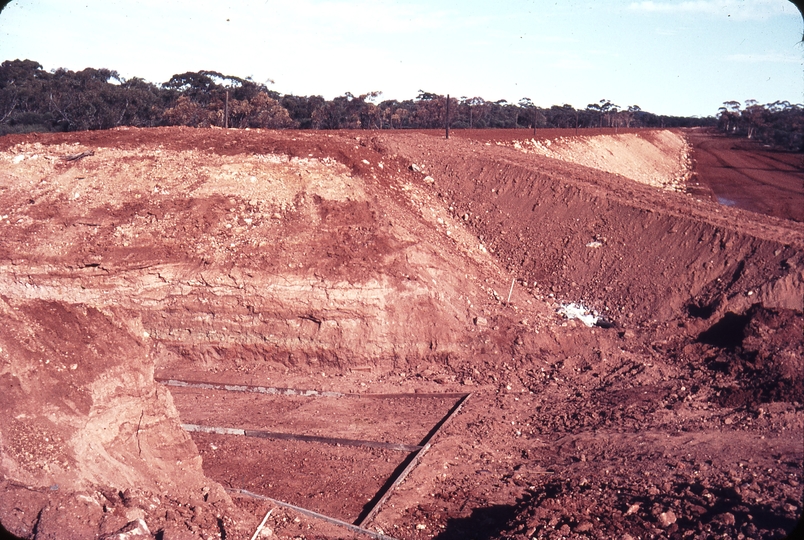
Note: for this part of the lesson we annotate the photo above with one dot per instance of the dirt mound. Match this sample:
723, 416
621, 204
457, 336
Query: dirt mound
661, 502
612, 243
656, 158
239, 264
284, 274
761, 353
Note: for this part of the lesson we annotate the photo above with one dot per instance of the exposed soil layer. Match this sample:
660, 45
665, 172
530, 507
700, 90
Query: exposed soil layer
390, 263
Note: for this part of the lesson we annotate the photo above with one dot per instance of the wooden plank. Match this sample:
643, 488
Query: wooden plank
411, 395
247, 388
268, 390
195, 428
426, 443
262, 524
311, 513
333, 440
294, 437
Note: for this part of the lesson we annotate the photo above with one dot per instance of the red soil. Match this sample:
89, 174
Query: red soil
215, 255
749, 175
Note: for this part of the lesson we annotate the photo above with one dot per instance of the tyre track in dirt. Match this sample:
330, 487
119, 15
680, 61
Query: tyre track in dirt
746, 175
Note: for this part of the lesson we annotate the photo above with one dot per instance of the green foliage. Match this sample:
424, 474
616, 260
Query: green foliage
301, 108
780, 124
32, 99
23, 97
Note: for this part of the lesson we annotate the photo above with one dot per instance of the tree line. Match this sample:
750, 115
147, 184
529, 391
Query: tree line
780, 124
32, 99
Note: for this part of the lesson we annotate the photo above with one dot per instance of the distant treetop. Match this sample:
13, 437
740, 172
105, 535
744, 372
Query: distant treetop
32, 99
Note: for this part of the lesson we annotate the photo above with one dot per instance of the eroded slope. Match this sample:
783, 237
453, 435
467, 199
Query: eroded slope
383, 262
207, 262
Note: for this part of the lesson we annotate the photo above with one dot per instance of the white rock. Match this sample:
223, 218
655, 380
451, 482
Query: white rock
135, 529
667, 518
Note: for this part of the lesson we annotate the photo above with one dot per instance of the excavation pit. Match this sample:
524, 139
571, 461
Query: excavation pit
337, 454
159, 253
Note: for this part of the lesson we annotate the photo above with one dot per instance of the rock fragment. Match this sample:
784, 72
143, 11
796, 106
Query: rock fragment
667, 518
134, 530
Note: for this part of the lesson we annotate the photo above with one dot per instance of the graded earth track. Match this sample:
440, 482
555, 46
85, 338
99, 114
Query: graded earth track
393, 263
750, 176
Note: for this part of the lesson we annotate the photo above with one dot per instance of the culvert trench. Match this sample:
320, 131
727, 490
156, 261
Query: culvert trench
336, 456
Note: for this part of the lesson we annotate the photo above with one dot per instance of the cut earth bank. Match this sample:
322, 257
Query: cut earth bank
381, 262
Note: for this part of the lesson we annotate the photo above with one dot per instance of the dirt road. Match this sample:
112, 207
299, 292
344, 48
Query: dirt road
748, 175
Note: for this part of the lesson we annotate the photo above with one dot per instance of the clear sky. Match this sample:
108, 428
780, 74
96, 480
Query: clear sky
667, 56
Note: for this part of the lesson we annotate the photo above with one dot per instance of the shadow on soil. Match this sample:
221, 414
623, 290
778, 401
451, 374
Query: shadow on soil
4, 534
483, 523
728, 332
714, 512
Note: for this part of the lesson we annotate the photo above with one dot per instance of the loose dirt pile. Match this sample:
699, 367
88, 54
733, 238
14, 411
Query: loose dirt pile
401, 264
658, 158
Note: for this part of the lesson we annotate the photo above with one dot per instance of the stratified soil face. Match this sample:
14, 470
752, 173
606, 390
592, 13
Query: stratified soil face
199, 324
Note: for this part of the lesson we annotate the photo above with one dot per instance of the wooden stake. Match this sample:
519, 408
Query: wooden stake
226, 111
259, 529
310, 513
509, 292
446, 123
75, 157
139, 425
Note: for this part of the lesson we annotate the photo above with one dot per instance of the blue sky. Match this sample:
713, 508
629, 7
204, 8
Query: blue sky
669, 57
